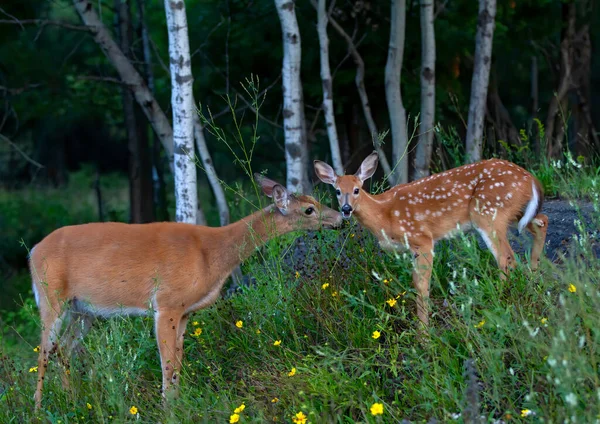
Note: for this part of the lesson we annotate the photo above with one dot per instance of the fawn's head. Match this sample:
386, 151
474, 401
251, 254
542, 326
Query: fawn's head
303, 212
348, 187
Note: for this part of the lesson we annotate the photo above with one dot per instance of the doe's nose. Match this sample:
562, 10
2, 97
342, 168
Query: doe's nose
346, 208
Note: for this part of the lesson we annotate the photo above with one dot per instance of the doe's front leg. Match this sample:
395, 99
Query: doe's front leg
167, 334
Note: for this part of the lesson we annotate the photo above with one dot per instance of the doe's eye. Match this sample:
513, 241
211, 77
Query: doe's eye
338, 192
309, 210
356, 191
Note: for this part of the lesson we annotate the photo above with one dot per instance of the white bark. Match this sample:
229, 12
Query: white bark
182, 103
423, 153
481, 78
295, 148
328, 111
128, 74
393, 93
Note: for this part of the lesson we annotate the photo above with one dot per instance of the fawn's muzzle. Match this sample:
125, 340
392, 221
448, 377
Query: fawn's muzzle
346, 211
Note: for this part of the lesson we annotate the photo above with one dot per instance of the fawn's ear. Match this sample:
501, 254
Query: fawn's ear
325, 172
266, 184
367, 167
281, 198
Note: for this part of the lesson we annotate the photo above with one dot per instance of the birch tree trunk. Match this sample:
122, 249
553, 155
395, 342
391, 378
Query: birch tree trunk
328, 111
393, 93
423, 153
481, 76
128, 74
295, 147
182, 102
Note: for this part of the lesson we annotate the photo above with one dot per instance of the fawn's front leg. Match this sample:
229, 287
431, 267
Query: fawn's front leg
423, 265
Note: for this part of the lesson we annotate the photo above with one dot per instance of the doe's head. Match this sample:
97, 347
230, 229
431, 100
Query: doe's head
348, 187
302, 212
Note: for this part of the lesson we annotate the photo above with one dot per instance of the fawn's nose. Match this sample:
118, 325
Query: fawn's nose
346, 209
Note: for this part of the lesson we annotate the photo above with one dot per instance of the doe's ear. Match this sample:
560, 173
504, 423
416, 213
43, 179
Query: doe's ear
281, 198
266, 184
325, 172
367, 167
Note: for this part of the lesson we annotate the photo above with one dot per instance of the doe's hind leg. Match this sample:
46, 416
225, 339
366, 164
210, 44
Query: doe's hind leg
538, 227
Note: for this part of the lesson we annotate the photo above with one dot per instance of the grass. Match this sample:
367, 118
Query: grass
532, 342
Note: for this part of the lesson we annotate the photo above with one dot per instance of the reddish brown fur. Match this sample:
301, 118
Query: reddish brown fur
489, 195
170, 269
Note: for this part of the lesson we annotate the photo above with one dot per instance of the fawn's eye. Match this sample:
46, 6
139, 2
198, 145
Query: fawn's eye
309, 210
338, 192
356, 191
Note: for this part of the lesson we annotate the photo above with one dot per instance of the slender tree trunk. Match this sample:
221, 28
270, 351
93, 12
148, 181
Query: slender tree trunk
128, 74
295, 147
393, 93
498, 115
158, 180
556, 107
328, 111
423, 153
211, 173
359, 80
140, 191
182, 102
481, 76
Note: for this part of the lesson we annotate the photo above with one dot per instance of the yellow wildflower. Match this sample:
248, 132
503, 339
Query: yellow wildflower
195, 323
385, 281
526, 412
276, 342
480, 324
352, 235
391, 302
544, 320
33, 369
292, 372
239, 408
377, 409
334, 294
239, 324
274, 400
376, 334
257, 331
36, 349
325, 285
89, 405
234, 418
572, 288
197, 332
297, 274
133, 410
300, 418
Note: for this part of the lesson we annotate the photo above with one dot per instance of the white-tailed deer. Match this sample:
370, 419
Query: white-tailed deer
488, 195
166, 269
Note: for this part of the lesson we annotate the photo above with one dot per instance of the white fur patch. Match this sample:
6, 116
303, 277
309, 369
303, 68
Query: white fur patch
531, 208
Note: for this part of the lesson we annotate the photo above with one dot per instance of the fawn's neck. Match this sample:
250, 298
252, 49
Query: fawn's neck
372, 211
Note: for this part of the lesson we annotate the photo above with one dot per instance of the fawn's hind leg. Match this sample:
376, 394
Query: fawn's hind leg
538, 227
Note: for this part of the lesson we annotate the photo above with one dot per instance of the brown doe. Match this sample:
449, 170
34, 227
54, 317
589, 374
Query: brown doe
488, 196
166, 269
